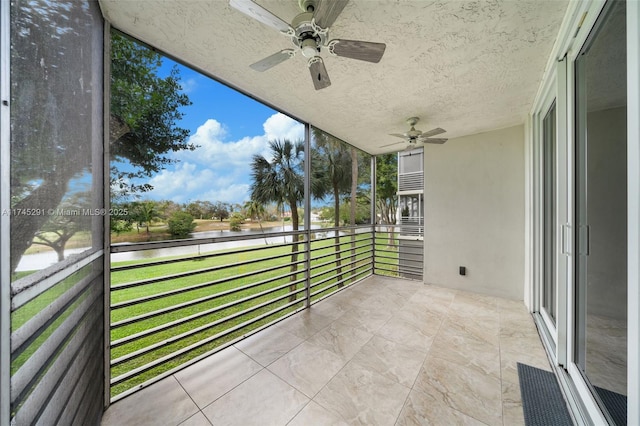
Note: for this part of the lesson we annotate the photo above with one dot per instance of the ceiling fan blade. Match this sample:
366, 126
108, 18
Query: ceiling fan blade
319, 73
433, 132
398, 135
355, 49
434, 140
390, 144
259, 13
273, 60
327, 12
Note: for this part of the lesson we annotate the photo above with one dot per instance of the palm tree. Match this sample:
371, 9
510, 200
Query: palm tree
145, 212
280, 180
333, 174
256, 210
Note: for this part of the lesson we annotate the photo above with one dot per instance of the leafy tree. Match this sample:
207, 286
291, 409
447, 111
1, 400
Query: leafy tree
363, 213
281, 181
207, 208
221, 210
145, 212
181, 224
122, 217
68, 220
145, 112
195, 209
387, 189
166, 208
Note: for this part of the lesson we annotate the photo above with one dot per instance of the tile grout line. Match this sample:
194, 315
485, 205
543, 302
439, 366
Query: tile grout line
411, 389
194, 402
373, 334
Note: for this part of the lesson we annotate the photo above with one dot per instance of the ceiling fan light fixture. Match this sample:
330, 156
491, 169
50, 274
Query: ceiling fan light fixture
309, 48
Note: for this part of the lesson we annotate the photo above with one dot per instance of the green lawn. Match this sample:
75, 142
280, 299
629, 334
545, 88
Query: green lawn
218, 294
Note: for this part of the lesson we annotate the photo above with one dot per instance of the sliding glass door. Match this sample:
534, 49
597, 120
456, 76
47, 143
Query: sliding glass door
600, 285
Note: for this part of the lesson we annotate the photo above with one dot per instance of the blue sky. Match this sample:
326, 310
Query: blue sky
229, 129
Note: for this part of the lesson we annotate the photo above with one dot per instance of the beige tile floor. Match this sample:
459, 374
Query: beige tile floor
383, 352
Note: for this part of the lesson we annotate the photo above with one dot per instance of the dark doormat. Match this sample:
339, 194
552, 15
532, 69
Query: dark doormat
542, 400
615, 403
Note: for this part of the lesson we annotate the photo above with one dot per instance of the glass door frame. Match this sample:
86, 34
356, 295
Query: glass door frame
553, 92
541, 170
587, 403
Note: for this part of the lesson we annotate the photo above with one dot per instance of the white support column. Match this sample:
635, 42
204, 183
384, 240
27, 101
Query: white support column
307, 212
633, 209
5, 190
106, 179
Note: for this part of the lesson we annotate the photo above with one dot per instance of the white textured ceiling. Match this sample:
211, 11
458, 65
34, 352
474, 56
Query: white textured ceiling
465, 66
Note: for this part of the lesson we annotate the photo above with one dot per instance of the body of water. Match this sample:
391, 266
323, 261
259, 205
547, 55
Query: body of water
37, 261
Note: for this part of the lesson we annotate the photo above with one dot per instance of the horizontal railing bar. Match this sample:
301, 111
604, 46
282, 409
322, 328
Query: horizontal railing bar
344, 255
137, 371
150, 245
415, 271
333, 253
195, 272
395, 247
342, 235
200, 257
37, 362
173, 308
404, 259
347, 263
380, 257
313, 302
393, 271
337, 283
166, 326
191, 361
332, 262
345, 272
28, 288
360, 238
388, 264
332, 256
198, 286
48, 380
31, 330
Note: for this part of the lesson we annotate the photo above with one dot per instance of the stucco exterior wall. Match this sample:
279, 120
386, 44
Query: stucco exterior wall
474, 213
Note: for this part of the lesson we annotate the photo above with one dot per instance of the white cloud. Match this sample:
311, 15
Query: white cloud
213, 151
280, 126
179, 184
219, 170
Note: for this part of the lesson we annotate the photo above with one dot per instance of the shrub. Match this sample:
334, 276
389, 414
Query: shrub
236, 220
181, 224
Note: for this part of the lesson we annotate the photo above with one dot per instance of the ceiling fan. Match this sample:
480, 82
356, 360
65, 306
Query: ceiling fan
309, 32
417, 138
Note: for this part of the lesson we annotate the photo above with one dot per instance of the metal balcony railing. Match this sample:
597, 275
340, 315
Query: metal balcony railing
168, 311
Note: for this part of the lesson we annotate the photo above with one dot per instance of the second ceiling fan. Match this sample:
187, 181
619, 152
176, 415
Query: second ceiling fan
309, 32
415, 137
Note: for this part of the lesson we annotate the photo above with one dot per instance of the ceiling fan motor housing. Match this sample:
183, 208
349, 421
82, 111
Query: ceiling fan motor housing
307, 5
307, 37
